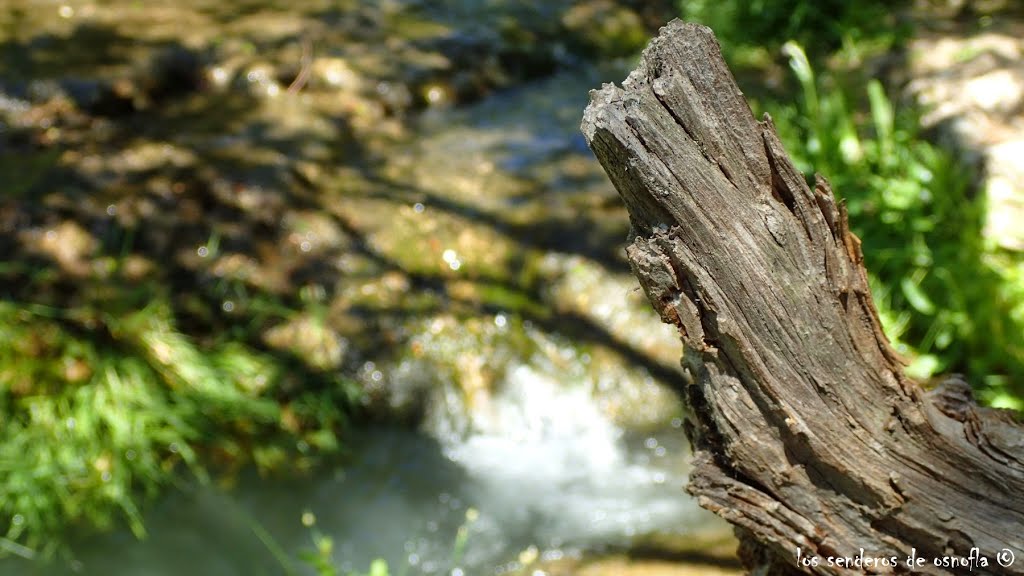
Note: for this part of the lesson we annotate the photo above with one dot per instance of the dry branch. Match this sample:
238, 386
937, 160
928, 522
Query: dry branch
806, 432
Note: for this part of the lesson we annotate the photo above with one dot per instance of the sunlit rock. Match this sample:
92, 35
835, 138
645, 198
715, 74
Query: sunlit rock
310, 340
67, 243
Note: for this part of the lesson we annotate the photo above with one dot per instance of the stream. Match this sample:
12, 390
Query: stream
468, 260
536, 487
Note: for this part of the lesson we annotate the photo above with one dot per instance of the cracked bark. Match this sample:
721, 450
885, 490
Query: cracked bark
806, 433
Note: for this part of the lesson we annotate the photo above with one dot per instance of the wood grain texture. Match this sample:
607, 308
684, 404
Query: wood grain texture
805, 430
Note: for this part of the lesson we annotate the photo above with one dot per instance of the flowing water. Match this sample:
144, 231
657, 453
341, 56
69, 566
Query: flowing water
547, 476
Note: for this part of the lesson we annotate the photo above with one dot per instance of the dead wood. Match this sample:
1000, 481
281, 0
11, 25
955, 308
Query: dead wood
806, 433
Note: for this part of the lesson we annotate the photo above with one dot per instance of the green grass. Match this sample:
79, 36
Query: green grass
747, 28
101, 412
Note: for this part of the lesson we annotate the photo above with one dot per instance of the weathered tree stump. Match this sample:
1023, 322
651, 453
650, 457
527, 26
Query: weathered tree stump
806, 433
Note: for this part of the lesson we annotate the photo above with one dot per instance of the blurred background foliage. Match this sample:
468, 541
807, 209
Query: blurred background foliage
162, 318
753, 31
